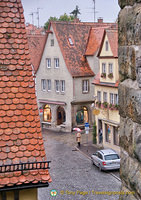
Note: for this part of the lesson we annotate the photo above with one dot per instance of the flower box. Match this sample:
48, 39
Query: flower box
110, 75
103, 75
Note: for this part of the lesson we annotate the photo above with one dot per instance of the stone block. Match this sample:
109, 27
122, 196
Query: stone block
130, 137
129, 25
130, 100
123, 3
130, 173
127, 62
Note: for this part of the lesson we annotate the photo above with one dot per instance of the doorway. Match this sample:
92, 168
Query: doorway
61, 115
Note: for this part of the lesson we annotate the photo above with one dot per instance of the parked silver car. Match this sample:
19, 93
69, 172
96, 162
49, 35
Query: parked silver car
106, 159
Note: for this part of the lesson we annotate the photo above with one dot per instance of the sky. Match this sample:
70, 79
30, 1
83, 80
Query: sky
107, 9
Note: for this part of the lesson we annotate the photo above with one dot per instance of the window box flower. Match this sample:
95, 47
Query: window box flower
103, 75
98, 104
110, 75
105, 105
116, 106
111, 106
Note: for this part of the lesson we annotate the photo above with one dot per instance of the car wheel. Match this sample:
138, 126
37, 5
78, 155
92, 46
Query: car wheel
92, 162
99, 166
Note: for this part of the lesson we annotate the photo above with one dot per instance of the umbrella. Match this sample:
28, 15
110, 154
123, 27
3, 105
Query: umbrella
76, 129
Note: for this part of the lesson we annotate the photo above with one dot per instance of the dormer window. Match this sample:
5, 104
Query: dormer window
106, 46
70, 41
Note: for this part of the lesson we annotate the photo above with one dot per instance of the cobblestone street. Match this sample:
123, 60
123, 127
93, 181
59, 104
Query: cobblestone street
73, 175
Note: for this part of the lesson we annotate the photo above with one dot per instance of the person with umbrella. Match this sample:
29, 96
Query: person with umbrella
78, 135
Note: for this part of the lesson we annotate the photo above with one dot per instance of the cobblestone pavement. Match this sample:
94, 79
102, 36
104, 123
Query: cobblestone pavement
73, 175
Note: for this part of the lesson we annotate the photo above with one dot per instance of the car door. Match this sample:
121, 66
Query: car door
99, 159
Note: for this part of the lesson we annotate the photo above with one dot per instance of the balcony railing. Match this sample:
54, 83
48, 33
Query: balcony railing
24, 166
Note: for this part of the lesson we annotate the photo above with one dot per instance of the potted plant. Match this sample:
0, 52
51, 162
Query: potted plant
99, 104
116, 106
105, 104
103, 75
111, 106
110, 75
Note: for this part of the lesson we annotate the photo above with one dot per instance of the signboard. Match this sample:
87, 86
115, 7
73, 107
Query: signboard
87, 128
96, 112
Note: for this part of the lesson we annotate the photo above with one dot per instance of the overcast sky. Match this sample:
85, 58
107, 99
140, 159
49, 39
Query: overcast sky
107, 9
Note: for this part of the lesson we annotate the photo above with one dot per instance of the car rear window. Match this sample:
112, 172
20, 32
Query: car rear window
111, 157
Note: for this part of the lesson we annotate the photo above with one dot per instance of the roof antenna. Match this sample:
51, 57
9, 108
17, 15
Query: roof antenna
38, 16
32, 16
94, 10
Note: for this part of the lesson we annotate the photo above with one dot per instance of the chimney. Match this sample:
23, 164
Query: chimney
100, 20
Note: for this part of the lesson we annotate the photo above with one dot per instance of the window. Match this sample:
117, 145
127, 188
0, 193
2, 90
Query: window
48, 62
57, 85
62, 86
115, 136
70, 41
48, 85
110, 68
47, 113
56, 62
85, 86
106, 46
103, 67
116, 99
111, 98
104, 96
43, 84
98, 95
82, 115
52, 42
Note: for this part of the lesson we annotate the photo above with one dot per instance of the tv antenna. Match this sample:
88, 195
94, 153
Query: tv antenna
38, 16
32, 16
94, 10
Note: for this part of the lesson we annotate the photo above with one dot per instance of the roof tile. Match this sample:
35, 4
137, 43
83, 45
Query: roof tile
19, 120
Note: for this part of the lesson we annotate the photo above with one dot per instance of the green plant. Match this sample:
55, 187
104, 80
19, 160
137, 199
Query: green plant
94, 134
116, 106
110, 75
103, 75
105, 104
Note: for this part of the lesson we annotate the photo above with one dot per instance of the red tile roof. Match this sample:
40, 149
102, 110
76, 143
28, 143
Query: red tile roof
36, 45
112, 35
94, 40
74, 54
20, 131
97, 82
31, 29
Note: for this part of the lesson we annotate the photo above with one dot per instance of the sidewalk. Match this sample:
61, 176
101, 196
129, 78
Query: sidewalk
88, 148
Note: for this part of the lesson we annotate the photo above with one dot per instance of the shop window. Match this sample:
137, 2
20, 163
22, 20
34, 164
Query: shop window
47, 113
61, 115
82, 116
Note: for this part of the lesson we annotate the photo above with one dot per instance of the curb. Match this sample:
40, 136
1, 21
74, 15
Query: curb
90, 159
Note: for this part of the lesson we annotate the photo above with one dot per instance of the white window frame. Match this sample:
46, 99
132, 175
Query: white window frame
103, 67
111, 98
116, 99
56, 62
48, 62
57, 85
62, 86
110, 68
104, 96
48, 84
99, 96
85, 86
52, 42
43, 84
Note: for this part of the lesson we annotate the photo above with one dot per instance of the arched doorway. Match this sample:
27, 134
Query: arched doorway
82, 115
61, 115
47, 113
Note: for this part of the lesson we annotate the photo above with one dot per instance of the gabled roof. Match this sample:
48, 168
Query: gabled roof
94, 40
112, 35
36, 45
72, 38
20, 132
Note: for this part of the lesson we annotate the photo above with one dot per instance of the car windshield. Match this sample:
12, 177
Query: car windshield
111, 157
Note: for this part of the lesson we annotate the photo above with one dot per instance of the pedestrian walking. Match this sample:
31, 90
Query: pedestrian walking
78, 138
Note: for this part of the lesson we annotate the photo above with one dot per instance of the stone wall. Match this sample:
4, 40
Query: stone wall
130, 97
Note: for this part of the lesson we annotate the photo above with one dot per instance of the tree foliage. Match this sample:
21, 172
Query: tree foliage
64, 17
